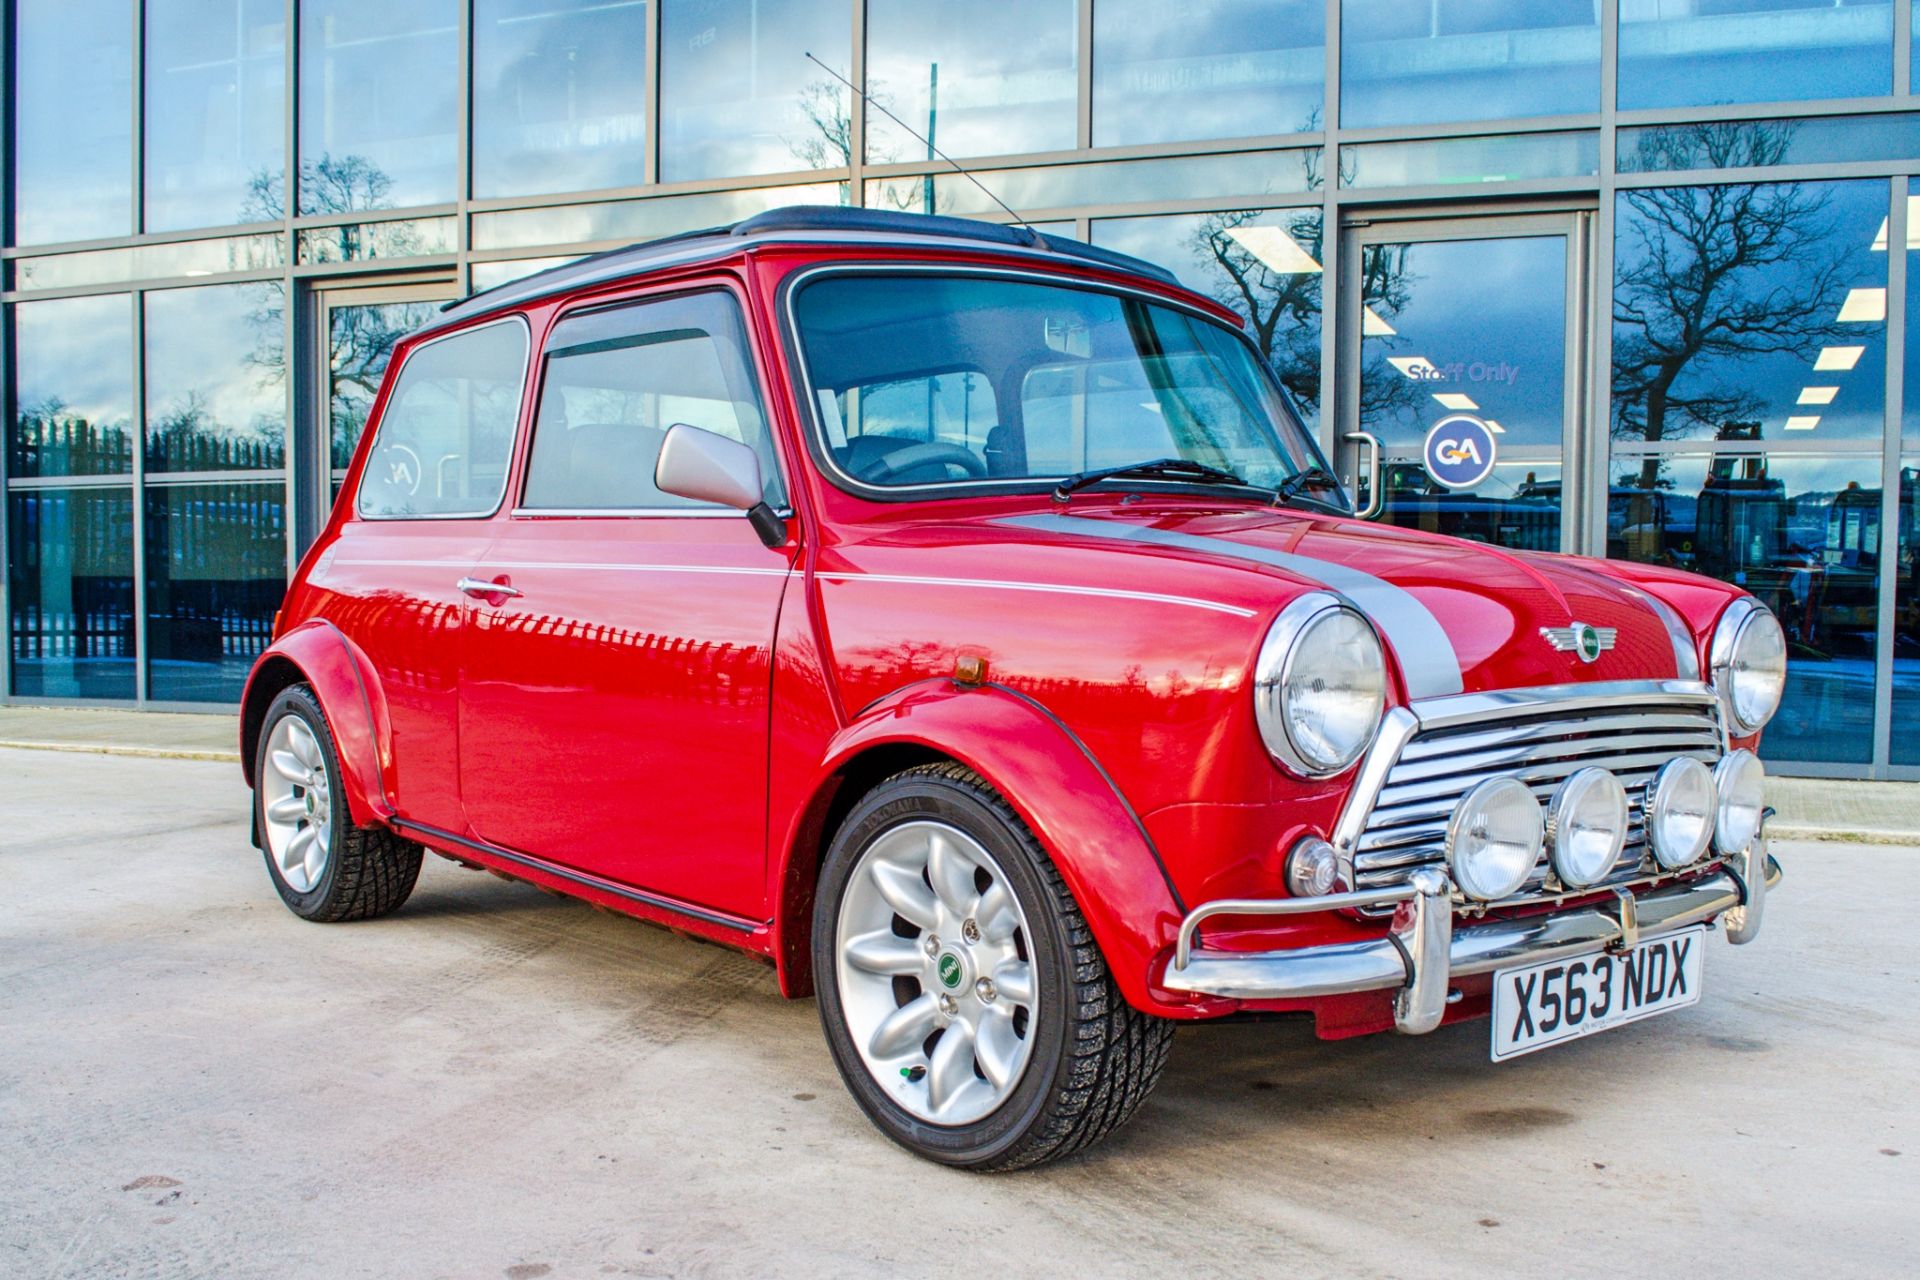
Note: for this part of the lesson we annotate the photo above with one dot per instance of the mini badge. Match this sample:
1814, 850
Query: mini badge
1459, 451
1582, 639
949, 970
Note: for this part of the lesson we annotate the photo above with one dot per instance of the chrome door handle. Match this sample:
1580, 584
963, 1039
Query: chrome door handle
481, 588
1375, 499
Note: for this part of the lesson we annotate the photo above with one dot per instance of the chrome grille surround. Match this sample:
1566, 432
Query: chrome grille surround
1428, 755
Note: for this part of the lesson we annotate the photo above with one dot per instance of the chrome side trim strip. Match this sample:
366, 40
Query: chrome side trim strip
1419, 642
1103, 593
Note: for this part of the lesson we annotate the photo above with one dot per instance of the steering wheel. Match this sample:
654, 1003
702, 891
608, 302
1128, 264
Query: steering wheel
895, 461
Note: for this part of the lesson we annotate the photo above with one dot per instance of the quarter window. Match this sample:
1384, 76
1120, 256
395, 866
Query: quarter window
618, 379
444, 439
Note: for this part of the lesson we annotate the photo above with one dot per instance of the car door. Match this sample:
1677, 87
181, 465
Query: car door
614, 697
433, 479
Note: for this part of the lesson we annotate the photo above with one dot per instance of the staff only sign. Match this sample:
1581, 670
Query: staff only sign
1460, 451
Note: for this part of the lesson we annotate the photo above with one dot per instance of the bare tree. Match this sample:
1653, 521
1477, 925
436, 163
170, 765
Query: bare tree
1711, 275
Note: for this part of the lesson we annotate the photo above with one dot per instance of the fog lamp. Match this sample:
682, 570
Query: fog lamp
1742, 783
1494, 839
1587, 826
1312, 868
1681, 808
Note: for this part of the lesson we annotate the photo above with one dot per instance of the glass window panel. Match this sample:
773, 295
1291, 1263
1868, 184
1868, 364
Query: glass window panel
447, 431
1243, 175
1750, 312
1799, 531
1406, 63
559, 98
216, 82
1906, 616
360, 343
977, 77
491, 275
1207, 69
738, 97
216, 567
1470, 160
216, 374
1704, 52
152, 262
364, 241
70, 592
617, 380
640, 219
379, 103
1833, 360
1740, 143
73, 388
1264, 264
73, 120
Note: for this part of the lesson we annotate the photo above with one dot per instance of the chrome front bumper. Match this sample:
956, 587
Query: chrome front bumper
1422, 951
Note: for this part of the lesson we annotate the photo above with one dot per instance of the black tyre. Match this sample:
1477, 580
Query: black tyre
325, 868
965, 1002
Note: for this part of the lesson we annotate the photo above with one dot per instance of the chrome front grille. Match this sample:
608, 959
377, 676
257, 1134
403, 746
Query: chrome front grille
1434, 754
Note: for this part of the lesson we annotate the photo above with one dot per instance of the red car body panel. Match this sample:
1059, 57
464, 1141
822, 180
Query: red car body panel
678, 752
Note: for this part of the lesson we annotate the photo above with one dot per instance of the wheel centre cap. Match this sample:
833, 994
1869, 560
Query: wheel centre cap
950, 970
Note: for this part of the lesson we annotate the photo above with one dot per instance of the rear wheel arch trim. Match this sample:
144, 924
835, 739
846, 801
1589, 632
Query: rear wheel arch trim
318, 654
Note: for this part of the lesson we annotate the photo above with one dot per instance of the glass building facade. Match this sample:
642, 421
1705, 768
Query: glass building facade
1662, 247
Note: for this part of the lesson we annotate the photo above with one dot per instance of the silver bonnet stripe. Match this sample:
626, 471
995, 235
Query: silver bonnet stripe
1426, 655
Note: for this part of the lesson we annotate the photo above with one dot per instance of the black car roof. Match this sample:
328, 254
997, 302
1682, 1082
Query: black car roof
792, 223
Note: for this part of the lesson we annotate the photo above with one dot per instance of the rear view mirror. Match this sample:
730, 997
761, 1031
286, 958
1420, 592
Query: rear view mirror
706, 467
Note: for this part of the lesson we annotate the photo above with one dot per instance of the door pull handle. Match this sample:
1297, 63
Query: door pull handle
480, 588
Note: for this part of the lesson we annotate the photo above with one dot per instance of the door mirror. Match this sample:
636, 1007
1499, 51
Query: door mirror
706, 467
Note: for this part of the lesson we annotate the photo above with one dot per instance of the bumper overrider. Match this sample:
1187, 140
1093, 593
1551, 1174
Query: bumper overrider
1423, 950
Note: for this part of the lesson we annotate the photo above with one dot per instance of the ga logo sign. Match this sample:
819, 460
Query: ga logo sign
1459, 452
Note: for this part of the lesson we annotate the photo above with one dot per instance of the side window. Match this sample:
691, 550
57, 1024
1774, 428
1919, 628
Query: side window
617, 379
444, 439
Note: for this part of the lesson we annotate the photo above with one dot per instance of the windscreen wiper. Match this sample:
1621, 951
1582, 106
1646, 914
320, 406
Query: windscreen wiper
1314, 477
1166, 468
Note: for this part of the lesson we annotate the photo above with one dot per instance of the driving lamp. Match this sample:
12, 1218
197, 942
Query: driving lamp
1681, 809
1494, 839
1742, 783
1749, 665
1320, 685
1587, 826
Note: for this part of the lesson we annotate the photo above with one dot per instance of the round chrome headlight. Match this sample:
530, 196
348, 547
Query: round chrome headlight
1319, 686
1742, 782
1749, 664
1682, 806
1587, 826
1494, 839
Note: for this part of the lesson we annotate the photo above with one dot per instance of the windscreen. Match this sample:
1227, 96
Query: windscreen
945, 380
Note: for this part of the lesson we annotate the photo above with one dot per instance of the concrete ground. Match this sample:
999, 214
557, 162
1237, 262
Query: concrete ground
497, 1083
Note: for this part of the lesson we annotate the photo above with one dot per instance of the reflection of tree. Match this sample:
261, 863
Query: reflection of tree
828, 142
361, 339
1715, 274
1283, 308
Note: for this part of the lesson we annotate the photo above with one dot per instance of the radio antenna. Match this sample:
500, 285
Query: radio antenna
871, 101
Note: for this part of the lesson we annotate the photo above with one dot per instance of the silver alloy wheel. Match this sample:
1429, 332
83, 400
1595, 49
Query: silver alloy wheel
935, 974
296, 799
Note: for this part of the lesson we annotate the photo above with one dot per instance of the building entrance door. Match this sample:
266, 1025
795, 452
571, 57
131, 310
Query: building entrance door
1463, 374
355, 331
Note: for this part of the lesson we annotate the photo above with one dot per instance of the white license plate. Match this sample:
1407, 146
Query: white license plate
1545, 1004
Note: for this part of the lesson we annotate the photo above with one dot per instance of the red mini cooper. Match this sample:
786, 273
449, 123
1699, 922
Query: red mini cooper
960, 618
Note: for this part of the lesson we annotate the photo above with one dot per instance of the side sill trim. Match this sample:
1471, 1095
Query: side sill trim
581, 878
